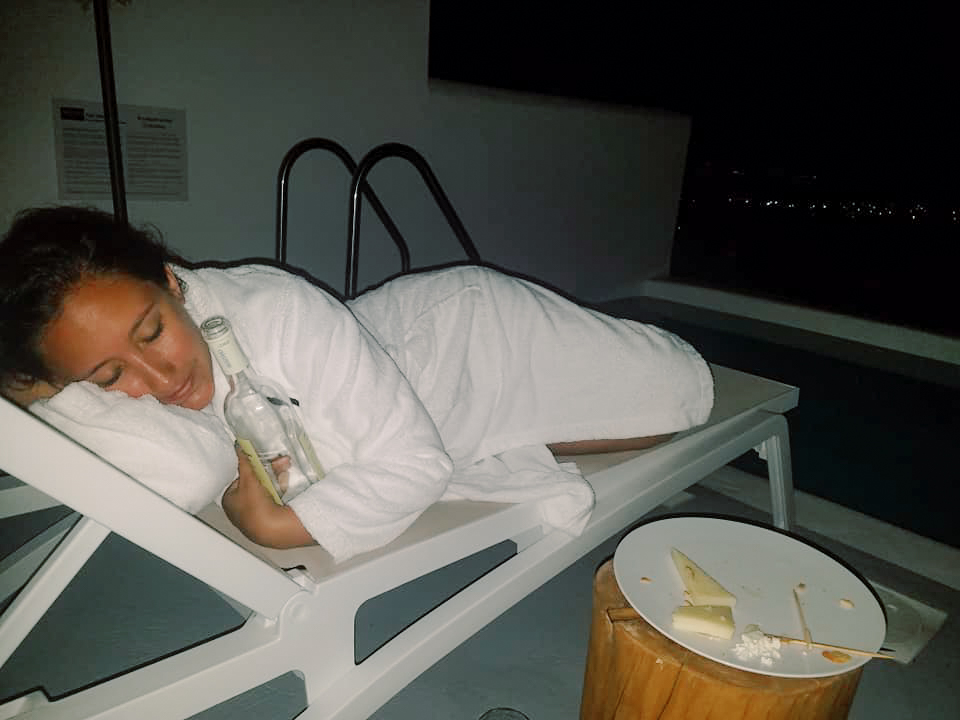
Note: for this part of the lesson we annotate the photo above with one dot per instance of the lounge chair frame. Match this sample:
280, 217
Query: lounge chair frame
302, 619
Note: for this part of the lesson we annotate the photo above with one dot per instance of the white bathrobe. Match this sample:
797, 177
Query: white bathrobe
437, 385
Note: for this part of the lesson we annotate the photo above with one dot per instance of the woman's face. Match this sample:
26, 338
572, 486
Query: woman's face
130, 335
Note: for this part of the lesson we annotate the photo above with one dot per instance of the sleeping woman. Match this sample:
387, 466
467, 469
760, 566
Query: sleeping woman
452, 383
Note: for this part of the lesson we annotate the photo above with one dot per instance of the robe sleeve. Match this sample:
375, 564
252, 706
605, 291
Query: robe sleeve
382, 454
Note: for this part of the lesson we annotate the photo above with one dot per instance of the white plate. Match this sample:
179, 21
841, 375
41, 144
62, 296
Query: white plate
761, 567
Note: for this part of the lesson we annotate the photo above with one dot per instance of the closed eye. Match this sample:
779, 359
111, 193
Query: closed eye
111, 380
156, 333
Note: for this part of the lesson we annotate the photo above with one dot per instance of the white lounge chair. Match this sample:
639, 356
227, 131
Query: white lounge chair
303, 619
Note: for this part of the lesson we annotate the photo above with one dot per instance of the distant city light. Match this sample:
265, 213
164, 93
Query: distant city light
849, 209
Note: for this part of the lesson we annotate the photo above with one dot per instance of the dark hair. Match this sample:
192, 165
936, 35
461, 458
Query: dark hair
44, 255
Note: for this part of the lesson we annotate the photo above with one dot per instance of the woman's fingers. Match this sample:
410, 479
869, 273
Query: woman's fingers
281, 469
247, 480
244, 470
245, 473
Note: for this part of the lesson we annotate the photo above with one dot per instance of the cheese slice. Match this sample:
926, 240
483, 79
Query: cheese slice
702, 588
713, 620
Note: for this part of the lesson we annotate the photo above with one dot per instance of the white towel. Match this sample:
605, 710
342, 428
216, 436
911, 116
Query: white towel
187, 456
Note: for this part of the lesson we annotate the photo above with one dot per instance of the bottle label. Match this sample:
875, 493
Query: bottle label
259, 470
228, 355
310, 453
223, 345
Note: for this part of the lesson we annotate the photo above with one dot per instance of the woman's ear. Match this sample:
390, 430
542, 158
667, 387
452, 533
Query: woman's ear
173, 284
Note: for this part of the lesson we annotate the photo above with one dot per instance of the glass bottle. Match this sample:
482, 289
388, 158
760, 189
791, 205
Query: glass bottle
264, 421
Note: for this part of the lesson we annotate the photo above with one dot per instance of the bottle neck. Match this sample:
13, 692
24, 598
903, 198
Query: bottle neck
227, 351
239, 379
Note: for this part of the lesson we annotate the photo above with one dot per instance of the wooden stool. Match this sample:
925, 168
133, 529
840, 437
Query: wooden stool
634, 672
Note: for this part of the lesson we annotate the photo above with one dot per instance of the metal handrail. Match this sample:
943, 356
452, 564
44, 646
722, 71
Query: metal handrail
283, 179
416, 159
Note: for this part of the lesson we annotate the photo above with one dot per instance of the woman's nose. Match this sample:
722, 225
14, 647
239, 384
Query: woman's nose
159, 375
134, 384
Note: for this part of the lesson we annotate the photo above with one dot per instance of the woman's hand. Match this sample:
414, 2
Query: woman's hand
281, 471
252, 509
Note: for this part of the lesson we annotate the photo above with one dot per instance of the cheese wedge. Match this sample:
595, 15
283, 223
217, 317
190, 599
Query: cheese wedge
703, 589
713, 620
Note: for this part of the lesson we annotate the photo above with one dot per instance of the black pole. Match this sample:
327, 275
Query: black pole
101, 11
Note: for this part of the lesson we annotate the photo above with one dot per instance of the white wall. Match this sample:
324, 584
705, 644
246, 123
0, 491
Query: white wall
583, 196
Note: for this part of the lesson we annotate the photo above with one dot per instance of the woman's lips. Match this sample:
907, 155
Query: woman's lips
181, 393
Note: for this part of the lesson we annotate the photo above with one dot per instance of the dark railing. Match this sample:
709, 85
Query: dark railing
111, 119
366, 164
283, 181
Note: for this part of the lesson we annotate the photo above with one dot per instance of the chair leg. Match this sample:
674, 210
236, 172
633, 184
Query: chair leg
17, 498
776, 449
178, 686
47, 583
18, 566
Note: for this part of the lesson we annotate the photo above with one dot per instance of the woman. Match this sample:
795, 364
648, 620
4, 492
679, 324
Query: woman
427, 374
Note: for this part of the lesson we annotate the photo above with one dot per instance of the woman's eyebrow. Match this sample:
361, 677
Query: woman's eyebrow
133, 331
140, 319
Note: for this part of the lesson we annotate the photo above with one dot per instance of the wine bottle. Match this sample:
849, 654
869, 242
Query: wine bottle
266, 424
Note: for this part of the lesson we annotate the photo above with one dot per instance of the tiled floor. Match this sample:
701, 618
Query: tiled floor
532, 657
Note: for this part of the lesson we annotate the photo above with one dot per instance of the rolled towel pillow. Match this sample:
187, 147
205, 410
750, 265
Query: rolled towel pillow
186, 456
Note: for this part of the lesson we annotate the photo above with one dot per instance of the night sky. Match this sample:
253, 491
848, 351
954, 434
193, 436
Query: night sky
816, 134
856, 94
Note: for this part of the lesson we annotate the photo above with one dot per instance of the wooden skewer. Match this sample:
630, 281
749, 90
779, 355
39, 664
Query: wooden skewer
826, 646
807, 637
622, 614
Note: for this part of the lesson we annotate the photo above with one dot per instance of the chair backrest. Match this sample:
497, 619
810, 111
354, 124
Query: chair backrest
56, 465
